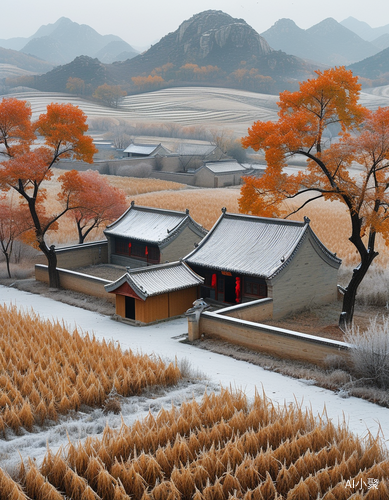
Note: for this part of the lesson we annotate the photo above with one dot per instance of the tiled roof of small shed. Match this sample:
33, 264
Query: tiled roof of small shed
251, 245
219, 167
141, 149
159, 279
152, 225
195, 149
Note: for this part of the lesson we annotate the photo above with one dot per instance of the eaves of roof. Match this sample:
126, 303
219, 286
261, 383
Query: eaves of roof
156, 280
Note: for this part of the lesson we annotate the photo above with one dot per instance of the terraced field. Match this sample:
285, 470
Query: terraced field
206, 106
209, 107
375, 97
9, 71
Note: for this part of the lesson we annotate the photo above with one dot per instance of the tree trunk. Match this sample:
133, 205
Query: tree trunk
350, 292
7, 261
51, 265
81, 237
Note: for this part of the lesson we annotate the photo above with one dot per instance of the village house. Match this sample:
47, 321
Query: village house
245, 258
221, 174
155, 292
145, 150
169, 261
193, 155
145, 236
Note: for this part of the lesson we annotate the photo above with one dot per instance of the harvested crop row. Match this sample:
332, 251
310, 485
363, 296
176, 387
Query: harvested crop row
46, 371
220, 448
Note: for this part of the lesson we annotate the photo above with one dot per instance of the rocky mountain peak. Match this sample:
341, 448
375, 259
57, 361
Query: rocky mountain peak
212, 30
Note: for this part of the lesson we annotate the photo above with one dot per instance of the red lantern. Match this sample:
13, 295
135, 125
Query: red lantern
146, 251
237, 290
213, 283
129, 248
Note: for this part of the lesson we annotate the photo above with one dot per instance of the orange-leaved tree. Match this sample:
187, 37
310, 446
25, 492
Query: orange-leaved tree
98, 202
28, 163
14, 222
324, 122
109, 94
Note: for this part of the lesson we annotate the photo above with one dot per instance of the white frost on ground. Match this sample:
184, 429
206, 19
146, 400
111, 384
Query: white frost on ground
163, 340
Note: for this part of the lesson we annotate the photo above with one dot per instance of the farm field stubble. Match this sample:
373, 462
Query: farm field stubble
46, 371
220, 448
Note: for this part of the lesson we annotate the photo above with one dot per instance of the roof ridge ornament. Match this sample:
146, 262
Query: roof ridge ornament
307, 220
224, 210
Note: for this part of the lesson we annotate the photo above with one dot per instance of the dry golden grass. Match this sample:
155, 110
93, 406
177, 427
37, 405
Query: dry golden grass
331, 223
221, 448
46, 371
133, 186
204, 204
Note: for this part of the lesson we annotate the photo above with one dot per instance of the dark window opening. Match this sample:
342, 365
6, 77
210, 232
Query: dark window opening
121, 246
255, 288
229, 290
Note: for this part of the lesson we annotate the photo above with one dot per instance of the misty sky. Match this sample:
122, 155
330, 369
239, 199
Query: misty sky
143, 22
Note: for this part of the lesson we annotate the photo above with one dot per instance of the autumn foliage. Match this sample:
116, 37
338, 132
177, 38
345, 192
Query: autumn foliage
109, 94
75, 86
97, 201
325, 123
28, 164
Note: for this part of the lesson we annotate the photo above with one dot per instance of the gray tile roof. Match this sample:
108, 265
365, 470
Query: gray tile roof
152, 225
159, 279
252, 245
141, 149
220, 167
195, 149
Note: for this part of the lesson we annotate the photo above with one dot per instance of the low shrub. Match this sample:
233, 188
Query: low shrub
370, 351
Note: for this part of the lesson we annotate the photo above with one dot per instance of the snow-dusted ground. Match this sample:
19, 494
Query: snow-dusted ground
163, 339
189, 106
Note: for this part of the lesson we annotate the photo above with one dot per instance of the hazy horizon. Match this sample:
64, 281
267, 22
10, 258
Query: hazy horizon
141, 25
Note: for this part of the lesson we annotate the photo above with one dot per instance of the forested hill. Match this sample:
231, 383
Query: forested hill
211, 48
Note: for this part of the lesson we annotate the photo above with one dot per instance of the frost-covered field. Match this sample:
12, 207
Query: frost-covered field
210, 107
164, 339
9, 71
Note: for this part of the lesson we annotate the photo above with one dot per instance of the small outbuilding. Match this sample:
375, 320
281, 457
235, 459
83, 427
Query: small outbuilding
193, 155
145, 236
145, 150
245, 258
156, 292
221, 173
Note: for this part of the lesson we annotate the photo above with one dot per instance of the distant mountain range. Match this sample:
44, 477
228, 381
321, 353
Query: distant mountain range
364, 30
63, 41
327, 42
210, 48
